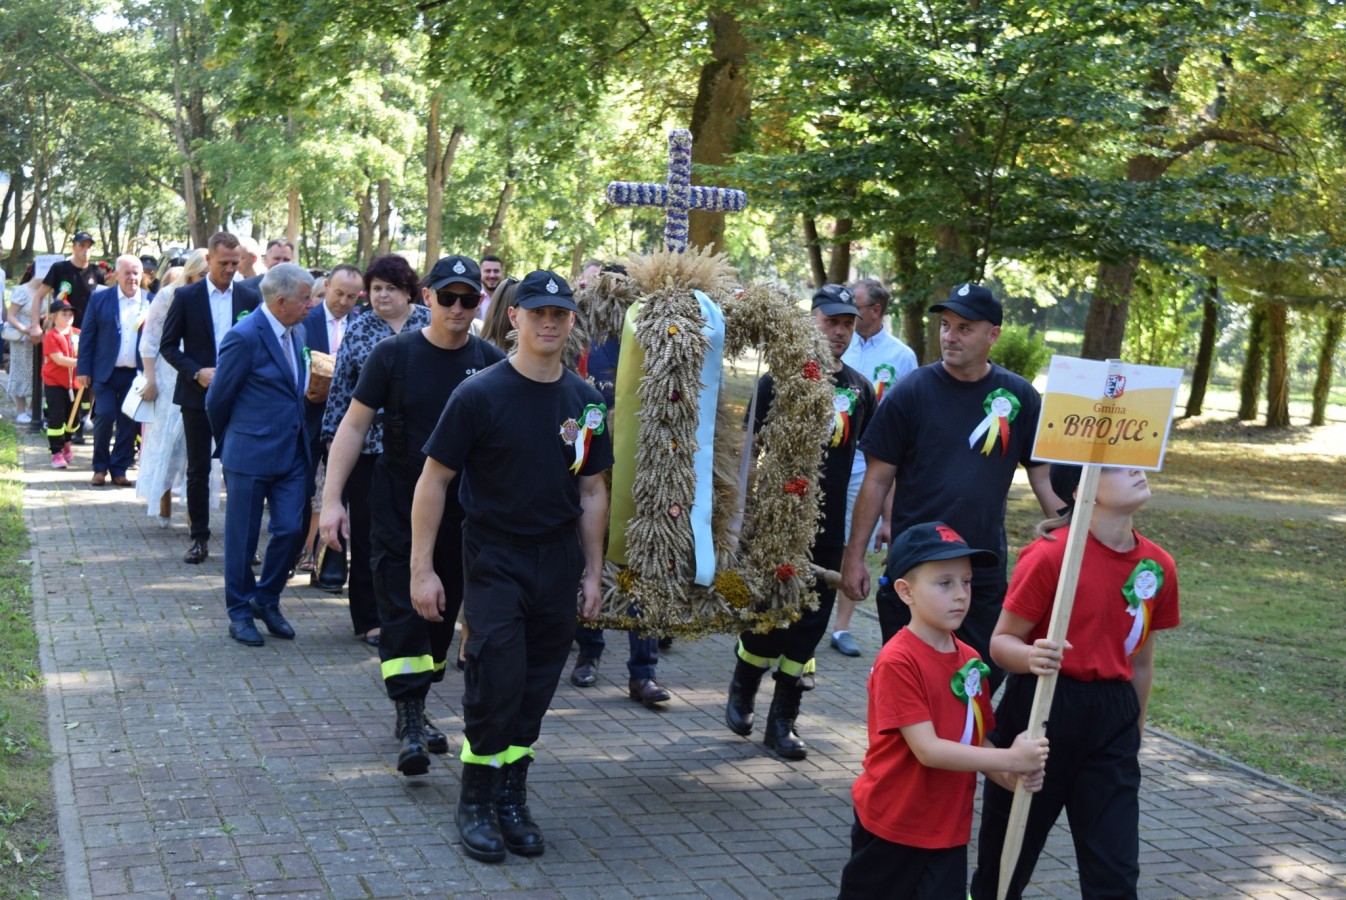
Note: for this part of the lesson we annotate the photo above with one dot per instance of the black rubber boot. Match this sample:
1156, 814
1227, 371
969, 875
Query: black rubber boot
478, 826
435, 741
413, 758
522, 835
780, 720
738, 714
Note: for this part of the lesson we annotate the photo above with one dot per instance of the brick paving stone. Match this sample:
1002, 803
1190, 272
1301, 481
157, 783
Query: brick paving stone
198, 767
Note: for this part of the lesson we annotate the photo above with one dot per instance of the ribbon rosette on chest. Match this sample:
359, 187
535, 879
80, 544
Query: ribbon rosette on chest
1141, 587
884, 375
843, 403
967, 686
1002, 408
580, 434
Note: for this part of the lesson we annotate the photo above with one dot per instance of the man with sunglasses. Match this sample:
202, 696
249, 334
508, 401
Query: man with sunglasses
410, 377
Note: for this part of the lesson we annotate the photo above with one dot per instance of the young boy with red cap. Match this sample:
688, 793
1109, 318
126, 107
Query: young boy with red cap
929, 715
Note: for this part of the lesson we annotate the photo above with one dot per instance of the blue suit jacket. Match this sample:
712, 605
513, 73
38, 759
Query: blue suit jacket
188, 341
101, 335
255, 407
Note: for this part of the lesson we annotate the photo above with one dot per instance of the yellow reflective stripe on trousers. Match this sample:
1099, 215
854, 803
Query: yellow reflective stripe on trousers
792, 668
56, 432
407, 665
440, 665
760, 662
495, 761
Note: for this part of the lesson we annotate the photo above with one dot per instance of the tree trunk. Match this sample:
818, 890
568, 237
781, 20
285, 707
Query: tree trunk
364, 228
720, 114
1106, 325
498, 221
1322, 385
839, 268
438, 164
815, 251
1205, 351
384, 216
292, 217
1278, 366
16, 250
908, 310
1250, 384
4, 207
951, 251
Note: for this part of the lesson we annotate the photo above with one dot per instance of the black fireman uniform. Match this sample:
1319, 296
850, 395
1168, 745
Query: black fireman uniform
791, 649
410, 380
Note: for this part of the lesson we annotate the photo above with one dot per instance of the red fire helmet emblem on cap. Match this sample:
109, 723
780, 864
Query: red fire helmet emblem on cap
949, 535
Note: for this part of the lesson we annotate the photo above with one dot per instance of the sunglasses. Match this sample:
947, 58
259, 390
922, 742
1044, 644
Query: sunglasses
448, 298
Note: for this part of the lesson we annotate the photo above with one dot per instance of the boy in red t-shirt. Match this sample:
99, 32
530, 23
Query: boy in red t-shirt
59, 350
1127, 591
929, 716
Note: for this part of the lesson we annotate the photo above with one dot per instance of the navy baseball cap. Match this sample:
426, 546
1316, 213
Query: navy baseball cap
82, 237
835, 300
974, 303
931, 541
542, 288
59, 305
455, 270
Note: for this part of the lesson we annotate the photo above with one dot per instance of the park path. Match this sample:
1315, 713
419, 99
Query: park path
189, 766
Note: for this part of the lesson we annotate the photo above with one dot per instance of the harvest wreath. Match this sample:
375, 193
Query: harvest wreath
760, 529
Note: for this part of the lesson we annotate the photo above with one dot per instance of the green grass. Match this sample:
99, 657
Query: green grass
29, 850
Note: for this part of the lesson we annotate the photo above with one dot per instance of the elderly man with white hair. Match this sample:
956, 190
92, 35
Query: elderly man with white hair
109, 357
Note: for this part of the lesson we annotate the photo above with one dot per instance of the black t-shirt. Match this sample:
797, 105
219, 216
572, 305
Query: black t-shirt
930, 426
514, 441
432, 373
75, 283
853, 409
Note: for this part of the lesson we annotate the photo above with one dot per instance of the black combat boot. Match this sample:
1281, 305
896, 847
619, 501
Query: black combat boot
413, 758
478, 826
522, 836
435, 741
780, 720
742, 692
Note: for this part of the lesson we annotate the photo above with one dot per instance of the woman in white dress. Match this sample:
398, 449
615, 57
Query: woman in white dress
163, 448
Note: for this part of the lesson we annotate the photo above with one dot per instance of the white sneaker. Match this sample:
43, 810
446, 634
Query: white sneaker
23, 418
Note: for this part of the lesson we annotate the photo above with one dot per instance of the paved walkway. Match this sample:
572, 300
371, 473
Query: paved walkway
190, 766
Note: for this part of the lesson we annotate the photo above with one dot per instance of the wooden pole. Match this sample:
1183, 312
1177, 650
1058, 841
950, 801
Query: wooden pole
1056, 631
74, 410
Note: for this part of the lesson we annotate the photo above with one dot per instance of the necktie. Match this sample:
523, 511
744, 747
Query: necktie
288, 346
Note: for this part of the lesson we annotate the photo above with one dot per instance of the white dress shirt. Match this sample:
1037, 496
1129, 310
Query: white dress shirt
221, 309
866, 355
130, 313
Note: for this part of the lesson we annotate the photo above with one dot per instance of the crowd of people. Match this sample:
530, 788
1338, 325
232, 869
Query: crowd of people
438, 475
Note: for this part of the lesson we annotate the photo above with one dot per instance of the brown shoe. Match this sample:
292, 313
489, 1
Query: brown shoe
197, 554
99, 479
121, 481
648, 692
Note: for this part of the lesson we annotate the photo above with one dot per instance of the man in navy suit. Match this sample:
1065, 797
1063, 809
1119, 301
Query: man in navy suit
201, 315
109, 358
325, 325
256, 408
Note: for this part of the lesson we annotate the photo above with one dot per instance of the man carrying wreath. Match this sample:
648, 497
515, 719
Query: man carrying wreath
950, 435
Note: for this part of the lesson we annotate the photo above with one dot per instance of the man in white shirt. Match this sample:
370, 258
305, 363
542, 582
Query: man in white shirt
108, 360
879, 356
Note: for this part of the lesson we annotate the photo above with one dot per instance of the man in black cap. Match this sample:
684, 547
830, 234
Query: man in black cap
73, 280
410, 378
530, 441
951, 435
791, 649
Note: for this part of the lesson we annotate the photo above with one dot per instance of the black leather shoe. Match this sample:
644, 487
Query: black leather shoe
585, 672
245, 632
197, 553
647, 691
275, 622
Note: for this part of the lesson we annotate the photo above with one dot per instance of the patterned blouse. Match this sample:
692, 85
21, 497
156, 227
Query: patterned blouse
357, 343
